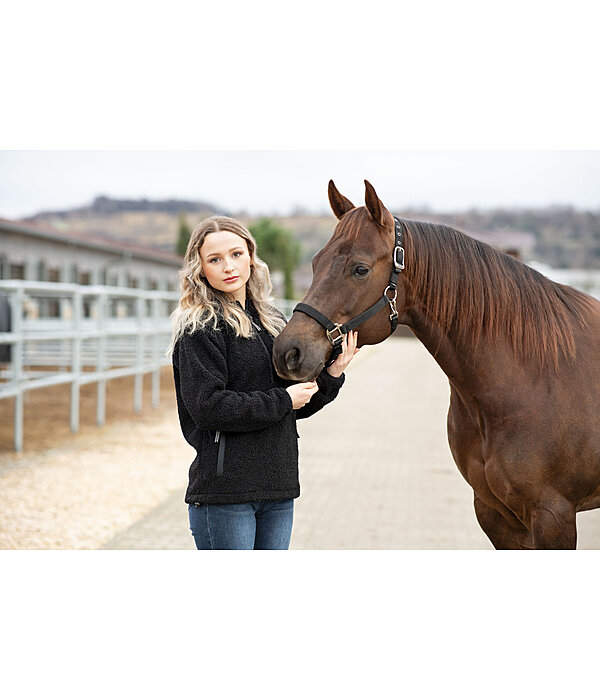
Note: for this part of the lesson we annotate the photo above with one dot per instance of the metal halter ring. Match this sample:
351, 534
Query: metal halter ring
392, 302
395, 290
337, 340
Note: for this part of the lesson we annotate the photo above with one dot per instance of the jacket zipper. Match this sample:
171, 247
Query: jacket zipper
259, 329
220, 439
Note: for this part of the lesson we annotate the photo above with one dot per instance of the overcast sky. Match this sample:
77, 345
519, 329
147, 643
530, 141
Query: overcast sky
276, 181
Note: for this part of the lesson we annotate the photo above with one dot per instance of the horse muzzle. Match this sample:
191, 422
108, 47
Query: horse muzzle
300, 351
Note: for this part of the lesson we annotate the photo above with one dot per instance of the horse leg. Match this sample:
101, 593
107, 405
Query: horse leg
553, 525
548, 518
499, 531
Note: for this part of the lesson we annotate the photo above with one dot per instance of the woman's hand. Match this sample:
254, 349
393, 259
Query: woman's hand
349, 350
302, 393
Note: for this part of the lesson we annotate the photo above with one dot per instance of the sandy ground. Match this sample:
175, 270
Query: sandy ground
75, 491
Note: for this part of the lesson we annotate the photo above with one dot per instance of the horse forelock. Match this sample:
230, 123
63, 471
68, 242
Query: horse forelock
355, 224
467, 285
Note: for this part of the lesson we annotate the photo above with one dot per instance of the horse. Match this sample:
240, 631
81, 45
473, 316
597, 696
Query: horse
520, 353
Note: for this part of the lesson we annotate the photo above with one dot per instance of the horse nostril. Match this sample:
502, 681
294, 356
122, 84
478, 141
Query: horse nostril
292, 358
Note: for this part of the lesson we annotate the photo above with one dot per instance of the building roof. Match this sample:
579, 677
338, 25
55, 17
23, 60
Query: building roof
91, 241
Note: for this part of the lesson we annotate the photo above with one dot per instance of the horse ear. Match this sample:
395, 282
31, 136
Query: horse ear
339, 203
374, 204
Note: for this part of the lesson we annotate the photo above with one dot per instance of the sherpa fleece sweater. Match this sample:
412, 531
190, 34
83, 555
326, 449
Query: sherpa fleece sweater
235, 411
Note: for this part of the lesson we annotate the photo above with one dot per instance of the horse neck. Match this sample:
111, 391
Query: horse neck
437, 265
464, 360
444, 347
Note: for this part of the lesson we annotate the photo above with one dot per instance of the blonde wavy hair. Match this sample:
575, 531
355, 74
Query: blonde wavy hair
200, 304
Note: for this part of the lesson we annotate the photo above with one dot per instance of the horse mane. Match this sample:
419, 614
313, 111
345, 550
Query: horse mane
477, 291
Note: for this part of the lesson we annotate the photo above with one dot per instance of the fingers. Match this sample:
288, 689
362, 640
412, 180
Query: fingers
312, 388
307, 389
309, 386
352, 342
349, 348
349, 344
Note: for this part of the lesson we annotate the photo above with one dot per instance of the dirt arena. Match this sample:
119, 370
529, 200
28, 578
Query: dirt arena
77, 490
376, 471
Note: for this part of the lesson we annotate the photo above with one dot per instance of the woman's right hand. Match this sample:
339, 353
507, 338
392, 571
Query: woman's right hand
302, 393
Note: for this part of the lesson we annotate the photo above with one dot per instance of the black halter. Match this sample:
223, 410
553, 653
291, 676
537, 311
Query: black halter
337, 331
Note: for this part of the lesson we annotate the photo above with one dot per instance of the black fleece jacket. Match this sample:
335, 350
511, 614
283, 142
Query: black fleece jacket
235, 411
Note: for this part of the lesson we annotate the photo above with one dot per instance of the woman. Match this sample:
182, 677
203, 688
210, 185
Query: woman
233, 408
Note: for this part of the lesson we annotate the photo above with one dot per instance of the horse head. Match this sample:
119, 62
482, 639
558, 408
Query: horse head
350, 275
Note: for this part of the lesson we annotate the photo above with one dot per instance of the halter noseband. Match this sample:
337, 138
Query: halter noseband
337, 331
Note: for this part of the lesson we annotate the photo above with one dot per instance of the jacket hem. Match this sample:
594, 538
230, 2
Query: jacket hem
246, 497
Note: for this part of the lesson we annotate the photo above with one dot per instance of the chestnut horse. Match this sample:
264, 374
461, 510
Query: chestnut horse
520, 353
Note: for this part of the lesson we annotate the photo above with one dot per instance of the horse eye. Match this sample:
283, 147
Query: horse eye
361, 270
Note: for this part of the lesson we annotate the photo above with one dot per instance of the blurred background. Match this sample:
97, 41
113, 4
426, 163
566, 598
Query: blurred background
90, 246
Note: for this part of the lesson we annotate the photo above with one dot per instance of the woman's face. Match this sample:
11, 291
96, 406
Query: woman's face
226, 263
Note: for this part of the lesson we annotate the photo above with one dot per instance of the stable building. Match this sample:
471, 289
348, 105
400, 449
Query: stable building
43, 253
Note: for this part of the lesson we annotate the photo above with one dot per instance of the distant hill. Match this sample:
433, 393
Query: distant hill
150, 222
558, 236
563, 237
103, 206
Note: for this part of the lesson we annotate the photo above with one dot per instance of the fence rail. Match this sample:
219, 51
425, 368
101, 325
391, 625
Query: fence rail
100, 333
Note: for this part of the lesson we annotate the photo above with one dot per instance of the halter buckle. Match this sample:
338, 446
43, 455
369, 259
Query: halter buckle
337, 340
398, 258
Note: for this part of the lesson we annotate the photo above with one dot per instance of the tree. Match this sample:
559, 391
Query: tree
183, 234
279, 249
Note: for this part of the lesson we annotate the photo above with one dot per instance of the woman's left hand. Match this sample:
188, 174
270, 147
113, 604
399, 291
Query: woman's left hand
349, 350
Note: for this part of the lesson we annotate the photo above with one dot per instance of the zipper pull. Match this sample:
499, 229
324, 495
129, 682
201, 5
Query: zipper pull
217, 435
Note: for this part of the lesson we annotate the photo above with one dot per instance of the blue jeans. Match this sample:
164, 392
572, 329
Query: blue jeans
257, 525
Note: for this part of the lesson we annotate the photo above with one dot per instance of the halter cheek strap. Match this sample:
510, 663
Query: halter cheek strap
337, 331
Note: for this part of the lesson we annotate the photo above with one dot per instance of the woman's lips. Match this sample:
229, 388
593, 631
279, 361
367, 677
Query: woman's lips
231, 279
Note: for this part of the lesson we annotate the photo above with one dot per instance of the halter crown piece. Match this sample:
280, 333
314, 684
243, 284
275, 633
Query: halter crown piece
337, 331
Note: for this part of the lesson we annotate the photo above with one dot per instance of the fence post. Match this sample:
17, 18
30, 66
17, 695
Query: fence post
101, 360
16, 301
139, 354
156, 371
76, 360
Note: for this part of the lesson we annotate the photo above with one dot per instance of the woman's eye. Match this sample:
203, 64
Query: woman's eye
213, 260
361, 270
237, 254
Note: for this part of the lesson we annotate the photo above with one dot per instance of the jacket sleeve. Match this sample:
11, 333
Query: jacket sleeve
328, 389
202, 366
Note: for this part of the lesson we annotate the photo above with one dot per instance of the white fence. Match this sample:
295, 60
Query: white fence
99, 333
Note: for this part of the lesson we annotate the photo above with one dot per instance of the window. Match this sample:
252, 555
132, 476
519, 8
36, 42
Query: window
17, 272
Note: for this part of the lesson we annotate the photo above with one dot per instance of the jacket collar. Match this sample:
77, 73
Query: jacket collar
250, 309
